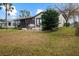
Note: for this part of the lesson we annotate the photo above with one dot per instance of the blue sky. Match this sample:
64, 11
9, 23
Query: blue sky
34, 8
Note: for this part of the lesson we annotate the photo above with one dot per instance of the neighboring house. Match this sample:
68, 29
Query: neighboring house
73, 20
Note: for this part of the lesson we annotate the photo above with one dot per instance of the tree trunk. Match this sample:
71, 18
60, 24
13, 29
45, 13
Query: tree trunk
67, 24
6, 16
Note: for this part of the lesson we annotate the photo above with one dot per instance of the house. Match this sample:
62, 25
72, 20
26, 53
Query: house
36, 20
74, 19
74, 16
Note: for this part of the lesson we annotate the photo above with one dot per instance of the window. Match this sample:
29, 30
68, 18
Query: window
9, 23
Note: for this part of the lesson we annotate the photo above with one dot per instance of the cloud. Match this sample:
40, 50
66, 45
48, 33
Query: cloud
39, 10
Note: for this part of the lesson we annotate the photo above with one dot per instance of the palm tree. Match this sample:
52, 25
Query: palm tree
7, 9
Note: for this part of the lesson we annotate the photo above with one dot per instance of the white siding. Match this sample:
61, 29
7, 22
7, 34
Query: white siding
38, 19
61, 21
11, 25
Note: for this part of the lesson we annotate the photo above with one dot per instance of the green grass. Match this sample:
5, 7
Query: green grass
16, 42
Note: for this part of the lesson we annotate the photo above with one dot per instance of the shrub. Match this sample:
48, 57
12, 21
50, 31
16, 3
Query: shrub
50, 20
77, 29
19, 27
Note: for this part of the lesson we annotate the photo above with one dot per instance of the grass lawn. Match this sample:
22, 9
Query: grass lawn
61, 42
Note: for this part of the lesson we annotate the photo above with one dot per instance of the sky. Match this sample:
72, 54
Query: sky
34, 9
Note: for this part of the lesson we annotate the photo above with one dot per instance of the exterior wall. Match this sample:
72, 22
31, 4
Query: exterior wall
10, 24
38, 20
61, 21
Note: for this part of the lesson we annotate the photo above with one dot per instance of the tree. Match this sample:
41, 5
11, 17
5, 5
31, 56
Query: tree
50, 20
7, 9
24, 13
68, 10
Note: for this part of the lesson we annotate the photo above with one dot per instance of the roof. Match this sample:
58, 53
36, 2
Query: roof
28, 17
2, 20
24, 18
38, 14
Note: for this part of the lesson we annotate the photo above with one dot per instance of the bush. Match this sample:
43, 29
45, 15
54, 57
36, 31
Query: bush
0, 27
50, 20
19, 27
77, 29
67, 24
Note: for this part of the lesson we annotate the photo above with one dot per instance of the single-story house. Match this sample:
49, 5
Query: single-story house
36, 21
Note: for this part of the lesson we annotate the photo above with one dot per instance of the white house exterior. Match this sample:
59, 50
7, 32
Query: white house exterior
10, 24
38, 20
73, 19
61, 21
